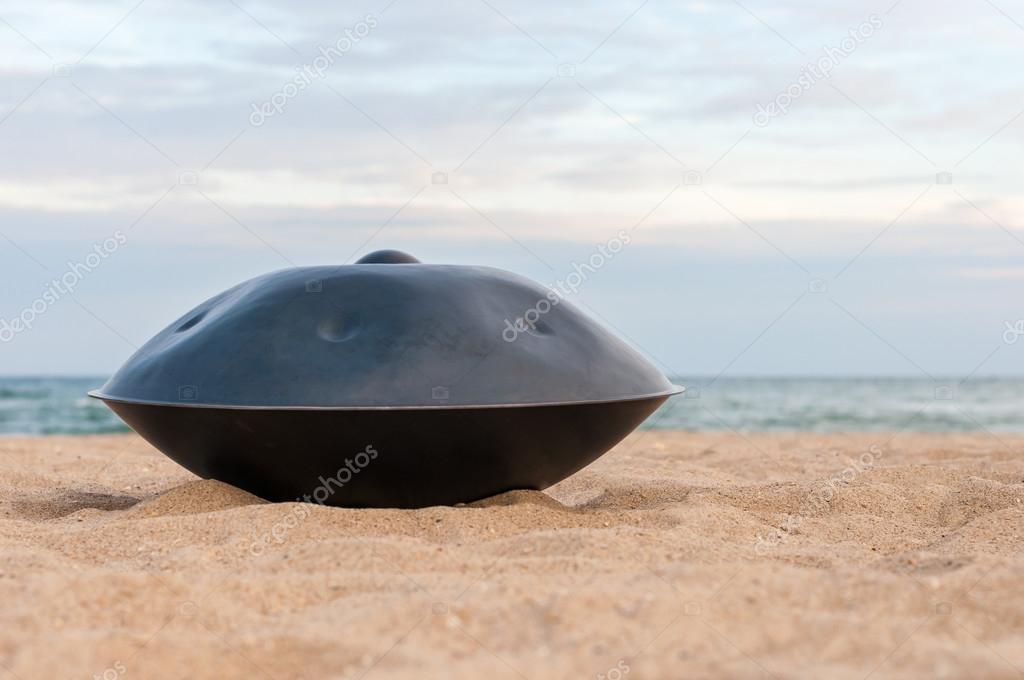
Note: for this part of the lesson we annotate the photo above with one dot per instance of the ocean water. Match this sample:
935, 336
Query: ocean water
54, 406
846, 405
59, 405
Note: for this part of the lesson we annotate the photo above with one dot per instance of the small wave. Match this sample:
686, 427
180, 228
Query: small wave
33, 406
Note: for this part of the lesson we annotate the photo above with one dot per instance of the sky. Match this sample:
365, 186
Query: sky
808, 188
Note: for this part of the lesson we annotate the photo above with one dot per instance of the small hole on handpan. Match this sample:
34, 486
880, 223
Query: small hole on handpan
191, 322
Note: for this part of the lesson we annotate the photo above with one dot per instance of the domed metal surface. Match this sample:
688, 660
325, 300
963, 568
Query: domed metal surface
463, 382
374, 335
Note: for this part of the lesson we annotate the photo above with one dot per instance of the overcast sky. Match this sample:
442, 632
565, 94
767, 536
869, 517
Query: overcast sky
780, 167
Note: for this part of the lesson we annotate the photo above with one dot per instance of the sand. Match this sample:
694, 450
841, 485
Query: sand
677, 555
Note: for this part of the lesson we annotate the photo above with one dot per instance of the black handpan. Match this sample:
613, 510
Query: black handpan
386, 383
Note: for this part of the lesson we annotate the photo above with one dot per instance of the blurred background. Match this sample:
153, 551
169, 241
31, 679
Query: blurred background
822, 201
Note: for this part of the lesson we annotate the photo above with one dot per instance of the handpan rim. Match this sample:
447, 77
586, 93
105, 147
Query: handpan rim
98, 394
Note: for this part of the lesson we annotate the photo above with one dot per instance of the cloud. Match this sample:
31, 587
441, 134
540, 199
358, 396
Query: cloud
535, 161
992, 273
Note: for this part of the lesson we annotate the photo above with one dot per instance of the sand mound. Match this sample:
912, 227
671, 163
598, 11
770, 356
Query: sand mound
647, 494
519, 497
193, 498
44, 506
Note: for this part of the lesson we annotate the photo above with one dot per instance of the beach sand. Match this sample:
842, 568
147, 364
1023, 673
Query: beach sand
676, 555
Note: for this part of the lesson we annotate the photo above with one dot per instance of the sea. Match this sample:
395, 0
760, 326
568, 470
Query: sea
36, 406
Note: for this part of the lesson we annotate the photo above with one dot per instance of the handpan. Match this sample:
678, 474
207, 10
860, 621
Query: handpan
385, 383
